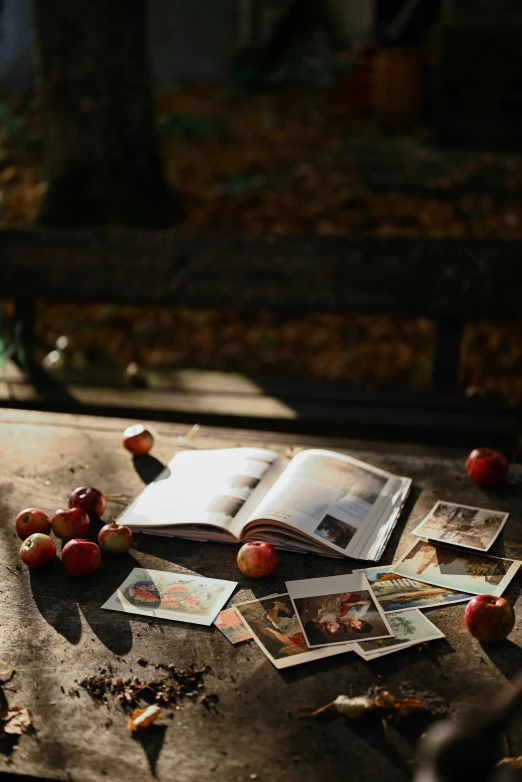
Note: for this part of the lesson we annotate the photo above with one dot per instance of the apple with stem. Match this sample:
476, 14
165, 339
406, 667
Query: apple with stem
489, 618
138, 439
487, 467
70, 523
115, 538
80, 557
37, 550
92, 500
257, 559
32, 520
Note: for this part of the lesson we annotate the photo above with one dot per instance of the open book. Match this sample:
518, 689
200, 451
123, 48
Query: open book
320, 501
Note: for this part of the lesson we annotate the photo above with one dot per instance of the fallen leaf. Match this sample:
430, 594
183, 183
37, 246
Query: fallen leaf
142, 718
15, 720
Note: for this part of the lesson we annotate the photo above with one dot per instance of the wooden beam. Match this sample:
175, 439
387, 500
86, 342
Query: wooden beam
443, 279
291, 406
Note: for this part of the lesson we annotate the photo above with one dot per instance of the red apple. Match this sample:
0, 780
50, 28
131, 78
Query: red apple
32, 520
90, 499
37, 550
71, 523
80, 557
487, 467
489, 618
115, 539
138, 439
257, 559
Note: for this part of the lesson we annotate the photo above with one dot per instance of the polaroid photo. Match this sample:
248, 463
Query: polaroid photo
276, 630
163, 595
230, 624
410, 628
397, 593
456, 569
337, 610
462, 525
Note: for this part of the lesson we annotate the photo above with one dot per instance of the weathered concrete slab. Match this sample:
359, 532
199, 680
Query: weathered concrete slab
53, 630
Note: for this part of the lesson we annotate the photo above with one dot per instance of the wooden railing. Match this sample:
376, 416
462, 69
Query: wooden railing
451, 281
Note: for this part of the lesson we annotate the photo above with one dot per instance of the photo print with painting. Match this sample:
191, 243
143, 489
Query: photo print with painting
337, 610
276, 630
167, 595
400, 593
457, 569
230, 624
410, 627
462, 525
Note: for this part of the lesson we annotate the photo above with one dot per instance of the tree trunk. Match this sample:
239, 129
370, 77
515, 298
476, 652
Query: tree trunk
100, 145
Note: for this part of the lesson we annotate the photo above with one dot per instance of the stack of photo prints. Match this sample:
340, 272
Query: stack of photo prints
373, 611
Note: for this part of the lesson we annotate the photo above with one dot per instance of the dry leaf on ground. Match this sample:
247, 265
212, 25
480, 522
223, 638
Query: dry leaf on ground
142, 718
15, 720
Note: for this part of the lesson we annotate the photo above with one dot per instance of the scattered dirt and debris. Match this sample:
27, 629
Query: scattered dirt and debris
209, 701
178, 684
434, 703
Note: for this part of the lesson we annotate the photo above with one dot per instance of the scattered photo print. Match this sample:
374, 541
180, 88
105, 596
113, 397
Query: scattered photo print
276, 630
462, 525
399, 593
456, 569
347, 615
230, 624
335, 531
164, 595
410, 628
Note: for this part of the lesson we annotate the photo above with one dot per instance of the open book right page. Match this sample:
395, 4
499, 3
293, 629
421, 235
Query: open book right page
343, 505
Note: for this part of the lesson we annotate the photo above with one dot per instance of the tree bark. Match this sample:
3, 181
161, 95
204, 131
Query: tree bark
100, 146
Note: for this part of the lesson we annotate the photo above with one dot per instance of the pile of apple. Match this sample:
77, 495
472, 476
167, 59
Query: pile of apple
79, 556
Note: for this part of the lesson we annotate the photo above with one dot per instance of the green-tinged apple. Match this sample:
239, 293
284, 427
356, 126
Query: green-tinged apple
32, 520
115, 539
71, 523
37, 550
489, 618
80, 557
257, 559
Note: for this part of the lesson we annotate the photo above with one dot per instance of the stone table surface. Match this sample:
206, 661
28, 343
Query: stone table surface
53, 630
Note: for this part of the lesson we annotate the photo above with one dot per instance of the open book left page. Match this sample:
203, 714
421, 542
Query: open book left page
204, 494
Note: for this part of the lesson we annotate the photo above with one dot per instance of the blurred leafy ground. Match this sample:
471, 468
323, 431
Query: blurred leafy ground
287, 164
